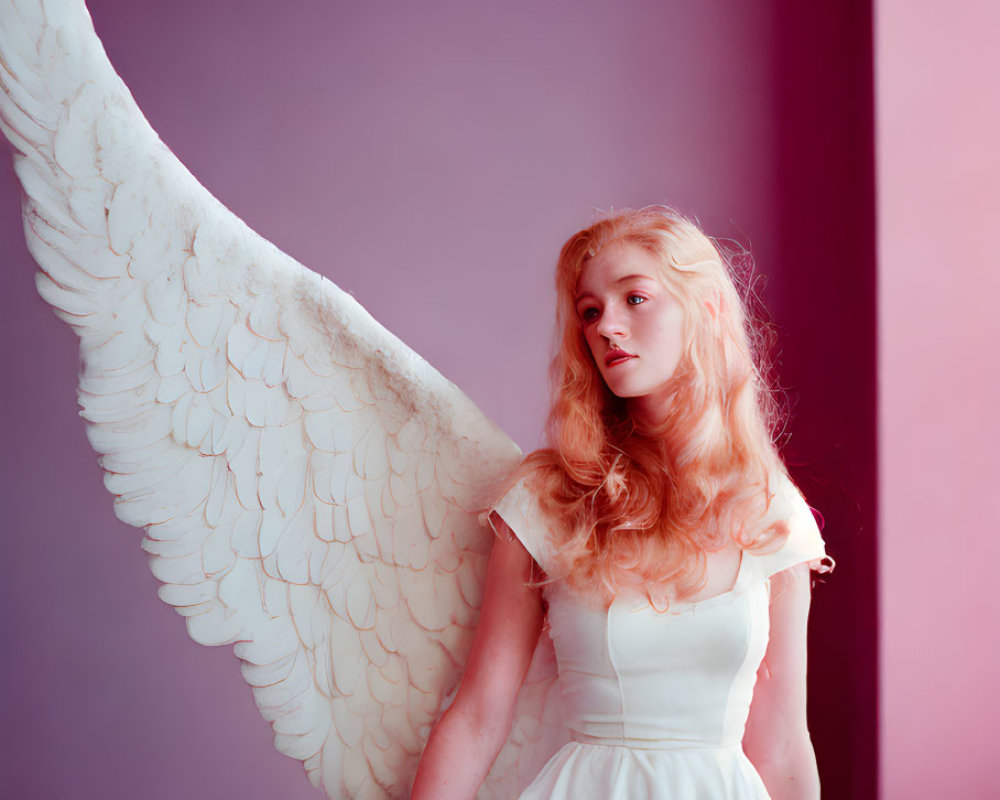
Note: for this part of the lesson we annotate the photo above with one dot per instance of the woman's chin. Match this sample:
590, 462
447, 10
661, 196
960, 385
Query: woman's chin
619, 391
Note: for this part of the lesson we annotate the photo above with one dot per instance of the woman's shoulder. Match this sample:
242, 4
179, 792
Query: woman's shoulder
520, 509
801, 542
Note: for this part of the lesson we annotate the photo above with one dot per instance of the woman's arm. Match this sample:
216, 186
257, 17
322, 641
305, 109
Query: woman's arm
777, 736
467, 738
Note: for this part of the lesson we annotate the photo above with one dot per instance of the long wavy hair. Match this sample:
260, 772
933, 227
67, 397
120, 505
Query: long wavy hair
640, 506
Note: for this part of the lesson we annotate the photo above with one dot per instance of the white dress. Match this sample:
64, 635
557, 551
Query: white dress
656, 703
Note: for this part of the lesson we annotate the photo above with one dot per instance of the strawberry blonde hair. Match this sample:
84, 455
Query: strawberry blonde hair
641, 506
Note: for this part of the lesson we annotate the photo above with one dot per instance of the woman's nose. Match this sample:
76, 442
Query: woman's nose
611, 323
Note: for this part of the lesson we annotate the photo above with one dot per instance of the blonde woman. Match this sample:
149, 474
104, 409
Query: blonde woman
659, 540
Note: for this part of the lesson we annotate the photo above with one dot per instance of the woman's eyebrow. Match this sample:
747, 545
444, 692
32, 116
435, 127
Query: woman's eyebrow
622, 279
640, 275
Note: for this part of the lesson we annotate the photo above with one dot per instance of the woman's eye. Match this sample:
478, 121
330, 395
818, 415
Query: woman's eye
635, 299
588, 314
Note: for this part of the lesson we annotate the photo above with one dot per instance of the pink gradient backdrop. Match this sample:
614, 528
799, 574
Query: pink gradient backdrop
431, 158
939, 200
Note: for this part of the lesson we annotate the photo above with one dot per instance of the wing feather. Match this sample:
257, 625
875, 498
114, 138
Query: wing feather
308, 486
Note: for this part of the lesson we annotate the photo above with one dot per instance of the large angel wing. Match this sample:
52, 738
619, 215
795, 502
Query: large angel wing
308, 486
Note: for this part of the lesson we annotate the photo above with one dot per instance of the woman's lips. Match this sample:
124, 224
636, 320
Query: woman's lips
616, 357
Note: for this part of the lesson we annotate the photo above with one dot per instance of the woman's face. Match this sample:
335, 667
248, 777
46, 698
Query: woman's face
633, 325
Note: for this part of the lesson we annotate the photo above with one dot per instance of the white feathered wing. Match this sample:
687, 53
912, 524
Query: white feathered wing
308, 486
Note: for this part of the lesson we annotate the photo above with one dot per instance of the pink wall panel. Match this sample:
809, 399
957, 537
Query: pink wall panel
431, 158
939, 201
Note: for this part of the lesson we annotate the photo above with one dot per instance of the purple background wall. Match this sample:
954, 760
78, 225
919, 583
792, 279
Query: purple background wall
432, 160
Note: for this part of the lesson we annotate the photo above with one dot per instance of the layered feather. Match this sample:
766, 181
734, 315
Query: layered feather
308, 486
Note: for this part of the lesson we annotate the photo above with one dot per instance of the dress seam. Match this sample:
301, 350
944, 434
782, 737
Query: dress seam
614, 668
740, 673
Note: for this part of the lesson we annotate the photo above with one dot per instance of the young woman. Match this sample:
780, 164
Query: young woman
660, 537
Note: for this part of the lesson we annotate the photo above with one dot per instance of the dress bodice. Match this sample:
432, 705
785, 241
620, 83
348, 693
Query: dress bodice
633, 675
